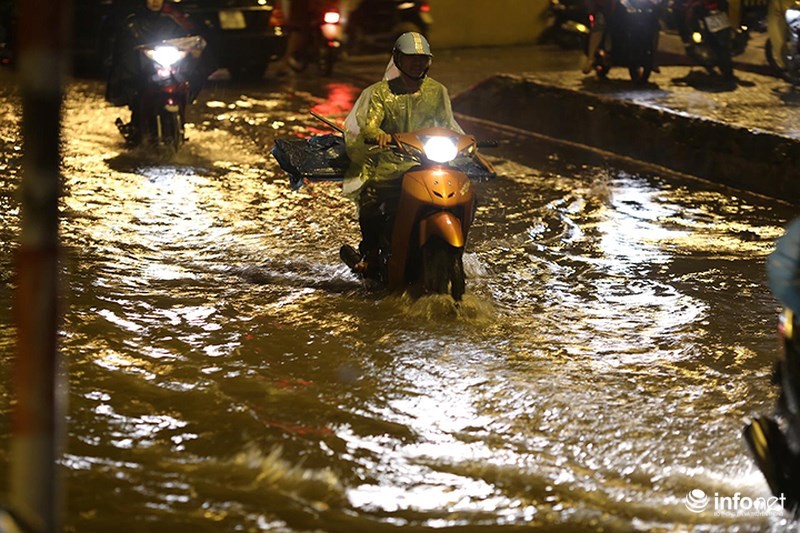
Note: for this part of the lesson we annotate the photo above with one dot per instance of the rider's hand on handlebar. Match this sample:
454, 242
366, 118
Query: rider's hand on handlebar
383, 140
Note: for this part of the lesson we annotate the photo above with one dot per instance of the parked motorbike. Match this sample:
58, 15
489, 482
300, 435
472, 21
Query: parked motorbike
568, 24
783, 55
374, 25
323, 42
707, 33
423, 242
630, 39
159, 109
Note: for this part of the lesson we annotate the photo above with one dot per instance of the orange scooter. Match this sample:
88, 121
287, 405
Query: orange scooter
426, 240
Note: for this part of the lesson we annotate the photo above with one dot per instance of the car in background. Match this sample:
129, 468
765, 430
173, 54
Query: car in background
248, 33
374, 25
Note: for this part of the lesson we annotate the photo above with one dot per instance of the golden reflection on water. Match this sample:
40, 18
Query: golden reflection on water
226, 369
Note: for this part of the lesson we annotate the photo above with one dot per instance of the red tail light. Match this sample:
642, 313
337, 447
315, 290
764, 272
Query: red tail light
277, 18
424, 7
331, 17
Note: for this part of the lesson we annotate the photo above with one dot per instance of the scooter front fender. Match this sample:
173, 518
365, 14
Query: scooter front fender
442, 224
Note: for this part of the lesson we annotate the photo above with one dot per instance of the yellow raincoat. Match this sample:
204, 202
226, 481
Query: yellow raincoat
382, 107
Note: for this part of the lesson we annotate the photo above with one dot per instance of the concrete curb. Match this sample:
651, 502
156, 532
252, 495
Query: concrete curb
748, 159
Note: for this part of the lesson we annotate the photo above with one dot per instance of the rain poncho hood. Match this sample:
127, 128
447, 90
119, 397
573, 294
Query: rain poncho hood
383, 107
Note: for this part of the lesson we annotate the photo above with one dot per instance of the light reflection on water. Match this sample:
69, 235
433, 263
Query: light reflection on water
227, 372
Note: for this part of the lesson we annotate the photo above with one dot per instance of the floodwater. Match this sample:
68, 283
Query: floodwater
227, 373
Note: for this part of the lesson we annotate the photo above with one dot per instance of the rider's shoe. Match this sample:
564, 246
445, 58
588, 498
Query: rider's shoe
351, 257
366, 265
129, 132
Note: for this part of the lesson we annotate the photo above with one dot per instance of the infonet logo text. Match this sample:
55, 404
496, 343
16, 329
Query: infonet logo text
697, 501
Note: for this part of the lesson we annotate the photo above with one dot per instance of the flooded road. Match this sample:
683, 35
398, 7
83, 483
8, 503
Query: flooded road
227, 373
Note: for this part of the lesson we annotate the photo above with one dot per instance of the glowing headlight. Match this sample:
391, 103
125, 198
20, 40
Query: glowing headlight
440, 149
697, 37
786, 323
792, 15
166, 56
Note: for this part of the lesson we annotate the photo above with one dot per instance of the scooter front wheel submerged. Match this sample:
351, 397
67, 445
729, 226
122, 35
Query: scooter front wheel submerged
443, 269
170, 131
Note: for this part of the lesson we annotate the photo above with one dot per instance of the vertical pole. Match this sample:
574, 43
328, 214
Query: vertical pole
37, 418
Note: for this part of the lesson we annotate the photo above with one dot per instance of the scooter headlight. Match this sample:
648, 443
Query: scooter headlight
166, 56
440, 149
785, 324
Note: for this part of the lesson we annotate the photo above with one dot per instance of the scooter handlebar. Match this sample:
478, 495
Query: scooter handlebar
488, 143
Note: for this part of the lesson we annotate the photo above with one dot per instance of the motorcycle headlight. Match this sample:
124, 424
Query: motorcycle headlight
786, 323
440, 149
166, 56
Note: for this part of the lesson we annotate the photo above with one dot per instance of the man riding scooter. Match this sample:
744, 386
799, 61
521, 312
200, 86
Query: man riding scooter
405, 100
155, 21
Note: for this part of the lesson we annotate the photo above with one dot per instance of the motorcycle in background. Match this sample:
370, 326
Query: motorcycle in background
323, 42
708, 35
159, 108
630, 39
374, 25
783, 45
568, 24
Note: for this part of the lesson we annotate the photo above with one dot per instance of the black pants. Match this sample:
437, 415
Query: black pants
377, 205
